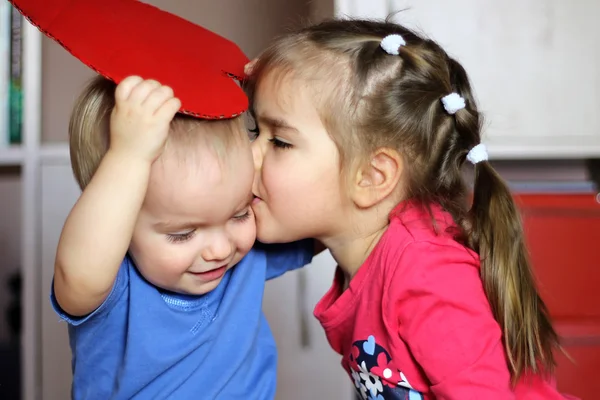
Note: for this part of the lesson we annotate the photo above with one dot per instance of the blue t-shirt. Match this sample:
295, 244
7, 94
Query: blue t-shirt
145, 343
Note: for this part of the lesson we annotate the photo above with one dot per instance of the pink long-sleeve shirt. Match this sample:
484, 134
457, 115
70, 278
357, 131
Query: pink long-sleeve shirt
415, 322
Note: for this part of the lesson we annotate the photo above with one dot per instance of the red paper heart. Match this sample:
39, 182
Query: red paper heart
118, 38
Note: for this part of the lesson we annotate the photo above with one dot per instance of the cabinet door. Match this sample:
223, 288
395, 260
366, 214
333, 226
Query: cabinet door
58, 194
563, 235
308, 367
533, 63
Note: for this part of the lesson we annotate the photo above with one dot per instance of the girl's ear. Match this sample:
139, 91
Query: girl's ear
378, 178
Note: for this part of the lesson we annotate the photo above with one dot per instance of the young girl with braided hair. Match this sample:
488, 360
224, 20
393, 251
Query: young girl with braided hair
363, 128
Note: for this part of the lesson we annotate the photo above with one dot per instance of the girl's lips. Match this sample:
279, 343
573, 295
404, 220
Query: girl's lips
256, 200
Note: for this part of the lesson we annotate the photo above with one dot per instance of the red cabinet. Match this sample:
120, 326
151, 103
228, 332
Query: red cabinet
563, 236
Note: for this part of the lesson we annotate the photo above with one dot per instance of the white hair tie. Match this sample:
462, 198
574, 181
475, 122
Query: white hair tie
477, 154
453, 102
391, 44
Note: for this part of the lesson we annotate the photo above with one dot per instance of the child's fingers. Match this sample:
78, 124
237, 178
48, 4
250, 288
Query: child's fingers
142, 90
169, 108
158, 96
124, 88
249, 68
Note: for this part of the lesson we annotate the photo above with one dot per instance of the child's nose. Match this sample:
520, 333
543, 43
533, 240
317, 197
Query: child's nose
257, 154
219, 249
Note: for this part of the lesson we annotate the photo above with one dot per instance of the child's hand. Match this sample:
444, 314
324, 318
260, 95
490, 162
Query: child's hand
140, 120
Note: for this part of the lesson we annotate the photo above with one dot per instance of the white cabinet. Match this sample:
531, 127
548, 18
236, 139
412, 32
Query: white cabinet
58, 194
534, 64
308, 367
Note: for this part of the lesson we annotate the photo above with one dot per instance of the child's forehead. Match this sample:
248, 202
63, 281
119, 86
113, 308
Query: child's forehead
287, 89
281, 82
293, 100
200, 181
199, 141
274, 92
194, 165
181, 203
187, 129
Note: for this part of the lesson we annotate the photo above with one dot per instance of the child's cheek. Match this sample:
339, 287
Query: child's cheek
249, 235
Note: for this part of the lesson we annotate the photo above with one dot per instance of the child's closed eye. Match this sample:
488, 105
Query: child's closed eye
279, 144
243, 217
254, 133
180, 237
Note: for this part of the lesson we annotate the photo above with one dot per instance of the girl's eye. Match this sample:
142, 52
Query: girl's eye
279, 144
180, 237
245, 216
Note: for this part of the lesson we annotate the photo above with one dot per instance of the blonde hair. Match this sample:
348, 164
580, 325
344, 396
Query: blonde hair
89, 131
369, 99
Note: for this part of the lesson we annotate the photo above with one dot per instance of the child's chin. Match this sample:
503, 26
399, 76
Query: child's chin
199, 289
268, 239
269, 236
206, 288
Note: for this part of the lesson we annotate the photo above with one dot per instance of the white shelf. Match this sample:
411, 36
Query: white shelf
577, 147
11, 156
54, 152
30, 156
30, 219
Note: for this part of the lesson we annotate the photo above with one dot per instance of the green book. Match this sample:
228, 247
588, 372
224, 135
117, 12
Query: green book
15, 95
